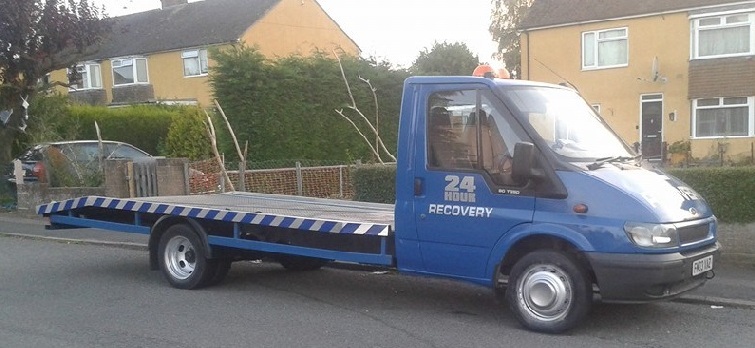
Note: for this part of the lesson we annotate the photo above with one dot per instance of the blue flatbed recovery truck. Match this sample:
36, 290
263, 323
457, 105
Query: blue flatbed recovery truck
517, 186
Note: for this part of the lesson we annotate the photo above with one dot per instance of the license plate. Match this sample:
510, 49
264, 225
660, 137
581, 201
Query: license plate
702, 265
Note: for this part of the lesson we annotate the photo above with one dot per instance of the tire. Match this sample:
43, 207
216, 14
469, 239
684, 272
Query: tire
549, 291
301, 263
223, 266
183, 258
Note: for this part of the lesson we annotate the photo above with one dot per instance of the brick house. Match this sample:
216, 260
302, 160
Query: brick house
659, 72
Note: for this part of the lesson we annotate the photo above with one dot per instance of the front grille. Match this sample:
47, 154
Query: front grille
693, 233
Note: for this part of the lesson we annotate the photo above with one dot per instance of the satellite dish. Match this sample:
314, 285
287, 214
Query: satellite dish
655, 71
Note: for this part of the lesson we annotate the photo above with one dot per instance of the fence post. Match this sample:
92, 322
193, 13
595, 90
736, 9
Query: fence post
18, 172
299, 180
187, 178
131, 180
242, 176
222, 170
340, 181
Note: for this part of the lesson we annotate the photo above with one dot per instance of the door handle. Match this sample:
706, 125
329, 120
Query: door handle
419, 186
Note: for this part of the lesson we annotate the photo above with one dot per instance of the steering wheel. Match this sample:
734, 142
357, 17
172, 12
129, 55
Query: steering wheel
504, 164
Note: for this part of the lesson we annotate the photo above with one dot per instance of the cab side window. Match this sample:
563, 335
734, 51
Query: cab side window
447, 147
467, 130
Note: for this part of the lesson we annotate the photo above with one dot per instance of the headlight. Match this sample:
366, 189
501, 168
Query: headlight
652, 235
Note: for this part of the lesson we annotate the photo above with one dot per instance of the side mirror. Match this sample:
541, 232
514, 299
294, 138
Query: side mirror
524, 156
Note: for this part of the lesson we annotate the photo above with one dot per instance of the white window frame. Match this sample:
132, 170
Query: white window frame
198, 55
696, 27
87, 68
596, 41
721, 104
120, 62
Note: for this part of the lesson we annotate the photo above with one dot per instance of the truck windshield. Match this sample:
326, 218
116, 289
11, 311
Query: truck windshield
566, 123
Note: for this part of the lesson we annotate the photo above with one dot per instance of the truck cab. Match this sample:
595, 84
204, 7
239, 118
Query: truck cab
522, 187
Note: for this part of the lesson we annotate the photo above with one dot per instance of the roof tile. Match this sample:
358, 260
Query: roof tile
182, 26
545, 13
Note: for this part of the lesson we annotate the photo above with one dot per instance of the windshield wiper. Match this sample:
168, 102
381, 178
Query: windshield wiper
612, 159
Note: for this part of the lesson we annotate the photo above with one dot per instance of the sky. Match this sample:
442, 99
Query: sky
395, 30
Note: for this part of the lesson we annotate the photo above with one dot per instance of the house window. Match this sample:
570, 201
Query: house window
129, 71
88, 77
723, 36
723, 117
605, 48
195, 62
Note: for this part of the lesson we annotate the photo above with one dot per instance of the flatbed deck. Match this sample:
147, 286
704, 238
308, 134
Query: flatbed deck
306, 213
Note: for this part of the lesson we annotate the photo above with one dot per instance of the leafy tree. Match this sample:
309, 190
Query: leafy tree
37, 37
506, 19
449, 59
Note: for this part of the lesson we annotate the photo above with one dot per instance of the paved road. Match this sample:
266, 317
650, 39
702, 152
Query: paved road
55, 294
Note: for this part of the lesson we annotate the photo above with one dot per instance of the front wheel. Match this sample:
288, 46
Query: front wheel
183, 258
549, 291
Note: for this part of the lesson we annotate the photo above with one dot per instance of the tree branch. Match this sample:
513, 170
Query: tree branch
354, 107
242, 158
377, 117
374, 151
213, 139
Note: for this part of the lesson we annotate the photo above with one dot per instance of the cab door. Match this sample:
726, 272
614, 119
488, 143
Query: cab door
465, 200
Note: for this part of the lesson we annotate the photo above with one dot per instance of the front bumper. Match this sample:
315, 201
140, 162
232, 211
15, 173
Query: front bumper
649, 277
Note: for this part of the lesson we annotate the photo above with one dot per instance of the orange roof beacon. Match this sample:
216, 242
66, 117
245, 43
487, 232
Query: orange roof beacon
485, 70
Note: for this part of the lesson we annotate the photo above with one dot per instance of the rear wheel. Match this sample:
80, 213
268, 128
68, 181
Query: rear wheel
183, 258
223, 266
549, 291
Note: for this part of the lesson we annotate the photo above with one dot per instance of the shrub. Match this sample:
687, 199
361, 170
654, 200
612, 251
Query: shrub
7, 196
728, 190
187, 136
374, 183
72, 172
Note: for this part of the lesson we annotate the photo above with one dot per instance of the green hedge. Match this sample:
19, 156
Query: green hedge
286, 108
730, 191
161, 130
374, 183
143, 126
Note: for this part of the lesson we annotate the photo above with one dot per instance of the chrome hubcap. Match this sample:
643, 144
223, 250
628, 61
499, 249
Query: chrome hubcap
545, 292
180, 257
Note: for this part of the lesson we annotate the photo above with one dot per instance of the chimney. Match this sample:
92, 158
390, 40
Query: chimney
169, 3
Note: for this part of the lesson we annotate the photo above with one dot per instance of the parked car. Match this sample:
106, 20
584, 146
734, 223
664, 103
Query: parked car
78, 153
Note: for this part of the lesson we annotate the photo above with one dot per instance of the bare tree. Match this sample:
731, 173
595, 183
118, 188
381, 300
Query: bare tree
214, 140
379, 145
242, 155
